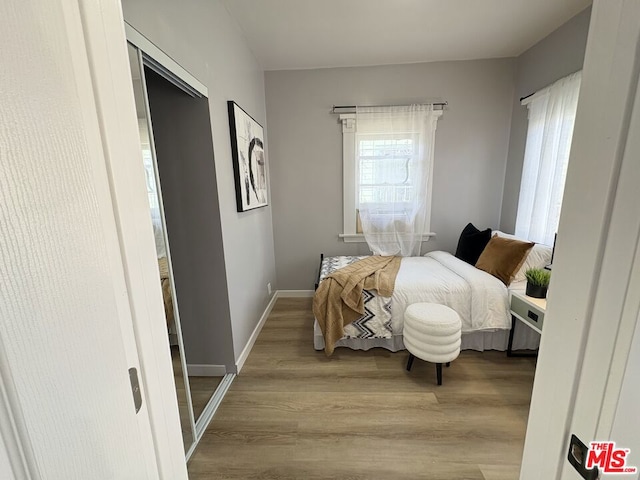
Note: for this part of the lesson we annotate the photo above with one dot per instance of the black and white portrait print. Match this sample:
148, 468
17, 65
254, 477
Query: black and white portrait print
249, 160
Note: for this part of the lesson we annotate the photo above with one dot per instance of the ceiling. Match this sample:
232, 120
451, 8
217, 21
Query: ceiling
298, 34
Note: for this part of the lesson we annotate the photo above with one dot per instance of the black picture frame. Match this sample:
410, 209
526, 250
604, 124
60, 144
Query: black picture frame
249, 159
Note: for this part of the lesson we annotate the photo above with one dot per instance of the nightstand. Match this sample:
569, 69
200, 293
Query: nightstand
528, 310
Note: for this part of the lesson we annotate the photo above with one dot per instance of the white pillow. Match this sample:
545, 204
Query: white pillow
538, 257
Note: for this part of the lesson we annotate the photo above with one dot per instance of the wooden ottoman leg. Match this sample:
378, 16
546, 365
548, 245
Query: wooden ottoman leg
410, 362
439, 373
448, 364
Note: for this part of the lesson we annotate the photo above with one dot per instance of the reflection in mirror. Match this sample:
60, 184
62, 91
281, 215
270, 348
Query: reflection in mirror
202, 387
162, 254
183, 151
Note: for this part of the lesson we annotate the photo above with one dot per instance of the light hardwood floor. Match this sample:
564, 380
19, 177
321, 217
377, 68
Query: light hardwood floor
202, 388
293, 413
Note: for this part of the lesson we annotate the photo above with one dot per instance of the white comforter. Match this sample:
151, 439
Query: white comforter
481, 300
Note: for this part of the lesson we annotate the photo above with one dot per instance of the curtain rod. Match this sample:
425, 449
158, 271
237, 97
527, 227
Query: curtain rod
527, 96
352, 108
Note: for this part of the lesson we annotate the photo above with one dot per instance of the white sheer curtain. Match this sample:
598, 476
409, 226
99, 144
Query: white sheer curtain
552, 113
394, 163
154, 204
152, 191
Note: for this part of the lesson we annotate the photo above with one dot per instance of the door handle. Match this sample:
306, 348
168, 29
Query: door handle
577, 457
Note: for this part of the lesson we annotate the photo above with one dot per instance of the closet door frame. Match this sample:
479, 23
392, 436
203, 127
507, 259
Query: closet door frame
165, 237
152, 57
164, 65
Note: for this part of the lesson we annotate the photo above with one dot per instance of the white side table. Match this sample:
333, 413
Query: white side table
528, 310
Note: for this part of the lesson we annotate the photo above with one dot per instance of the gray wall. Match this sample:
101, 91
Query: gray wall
202, 37
305, 151
184, 150
554, 57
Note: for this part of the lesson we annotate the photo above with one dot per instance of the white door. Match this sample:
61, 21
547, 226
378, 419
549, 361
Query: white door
586, 379
66, 336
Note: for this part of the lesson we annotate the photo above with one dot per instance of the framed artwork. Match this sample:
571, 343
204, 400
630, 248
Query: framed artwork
249, 160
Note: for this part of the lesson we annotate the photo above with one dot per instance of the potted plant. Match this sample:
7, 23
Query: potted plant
537, 282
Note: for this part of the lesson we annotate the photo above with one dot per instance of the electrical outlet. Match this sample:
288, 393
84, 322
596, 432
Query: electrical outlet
269, 288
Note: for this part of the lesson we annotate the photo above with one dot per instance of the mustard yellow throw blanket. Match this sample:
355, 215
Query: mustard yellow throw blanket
338, 300
163, 266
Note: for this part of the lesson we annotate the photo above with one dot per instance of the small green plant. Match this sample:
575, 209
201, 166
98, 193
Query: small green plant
538, 276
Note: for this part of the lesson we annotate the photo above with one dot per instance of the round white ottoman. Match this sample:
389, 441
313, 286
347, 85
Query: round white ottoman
432, 333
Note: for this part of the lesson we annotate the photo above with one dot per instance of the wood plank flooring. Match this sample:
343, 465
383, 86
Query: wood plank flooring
202, 388
293, 413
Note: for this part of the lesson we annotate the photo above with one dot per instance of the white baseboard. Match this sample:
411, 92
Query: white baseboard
295, 293
195, 370
256, 331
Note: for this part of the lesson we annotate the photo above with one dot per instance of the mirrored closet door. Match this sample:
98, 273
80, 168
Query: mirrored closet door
156, 208
177, 154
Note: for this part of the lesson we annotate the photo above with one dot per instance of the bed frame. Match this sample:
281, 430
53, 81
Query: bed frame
319, 271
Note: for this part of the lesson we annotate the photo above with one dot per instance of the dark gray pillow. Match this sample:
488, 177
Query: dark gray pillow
471, 243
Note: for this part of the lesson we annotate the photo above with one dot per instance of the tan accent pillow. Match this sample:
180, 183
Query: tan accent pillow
503, 257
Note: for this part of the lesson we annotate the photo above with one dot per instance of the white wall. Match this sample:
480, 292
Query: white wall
305, 144
202, 37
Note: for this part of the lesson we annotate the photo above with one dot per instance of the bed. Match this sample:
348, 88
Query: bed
481, 300
165, 282
163, 268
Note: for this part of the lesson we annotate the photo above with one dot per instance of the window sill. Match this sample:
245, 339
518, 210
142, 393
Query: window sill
359, 237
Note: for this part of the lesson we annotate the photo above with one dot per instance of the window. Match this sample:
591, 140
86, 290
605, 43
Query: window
384, 165
552, 113
388, 164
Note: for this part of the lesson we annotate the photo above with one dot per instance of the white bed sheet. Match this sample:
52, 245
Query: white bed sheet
481, 300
